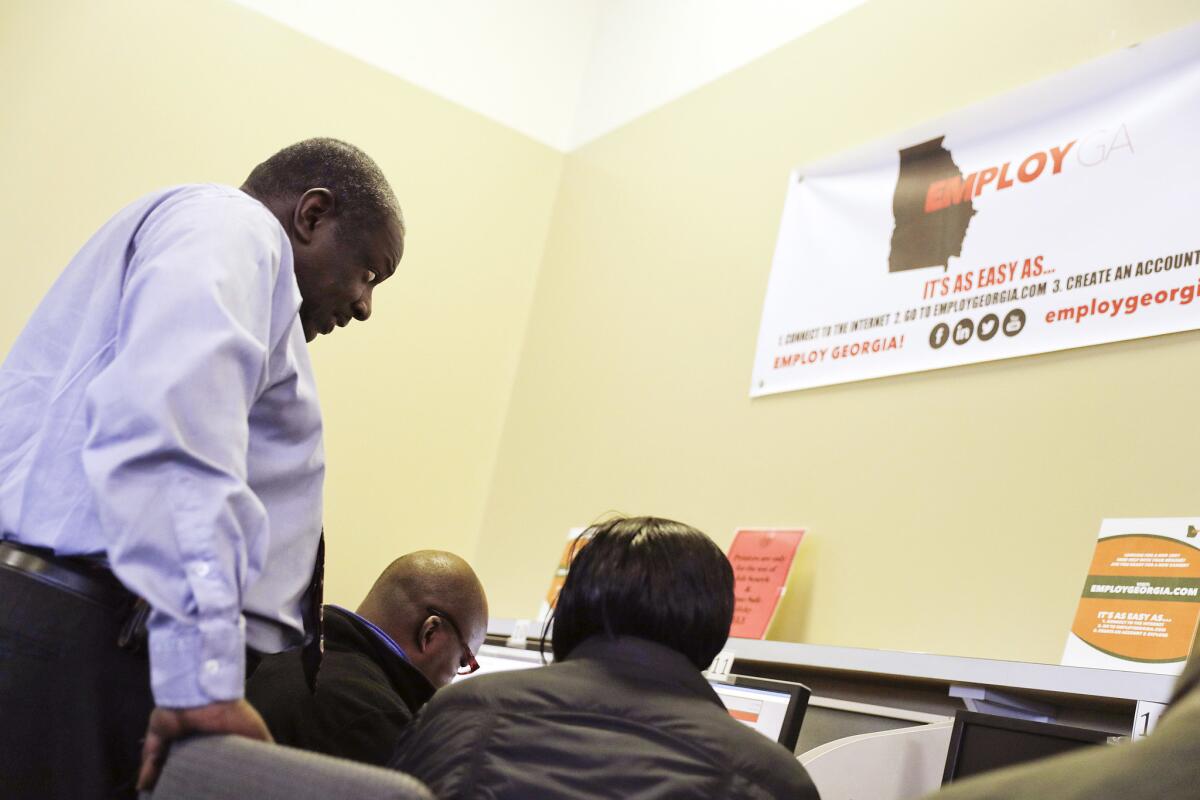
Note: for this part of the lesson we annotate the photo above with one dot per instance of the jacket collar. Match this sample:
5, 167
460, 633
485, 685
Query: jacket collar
645, 660
380, 633
346, 631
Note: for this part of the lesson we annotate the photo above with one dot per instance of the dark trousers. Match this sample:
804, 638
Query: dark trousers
73, 706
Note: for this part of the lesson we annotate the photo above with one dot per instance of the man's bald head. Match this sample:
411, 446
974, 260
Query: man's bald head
433, 605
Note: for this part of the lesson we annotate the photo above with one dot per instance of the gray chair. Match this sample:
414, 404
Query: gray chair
225, 767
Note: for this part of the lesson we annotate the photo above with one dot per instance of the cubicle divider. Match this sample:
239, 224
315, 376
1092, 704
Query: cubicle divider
878, 690
905, 763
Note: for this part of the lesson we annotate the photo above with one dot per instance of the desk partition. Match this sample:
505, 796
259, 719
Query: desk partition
856, 690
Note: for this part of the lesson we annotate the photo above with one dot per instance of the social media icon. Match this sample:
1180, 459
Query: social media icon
963, 331
987, 327
1014, 322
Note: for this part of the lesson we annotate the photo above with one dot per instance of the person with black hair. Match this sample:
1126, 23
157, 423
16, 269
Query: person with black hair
623, 712
162, 464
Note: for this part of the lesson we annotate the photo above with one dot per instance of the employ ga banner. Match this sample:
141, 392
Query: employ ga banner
1063, 214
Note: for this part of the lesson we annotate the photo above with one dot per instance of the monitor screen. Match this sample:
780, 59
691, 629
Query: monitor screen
983, 742
773, 708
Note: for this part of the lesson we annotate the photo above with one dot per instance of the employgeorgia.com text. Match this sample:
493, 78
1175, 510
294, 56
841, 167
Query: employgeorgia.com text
1183, 295
1176, 591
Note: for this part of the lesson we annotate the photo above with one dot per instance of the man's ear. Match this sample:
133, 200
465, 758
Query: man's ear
425, 635
315, 207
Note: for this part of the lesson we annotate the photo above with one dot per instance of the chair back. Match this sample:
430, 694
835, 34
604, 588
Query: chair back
222, 767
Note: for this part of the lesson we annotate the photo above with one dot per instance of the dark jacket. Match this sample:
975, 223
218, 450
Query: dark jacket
365, 694
620, 718
1165, 764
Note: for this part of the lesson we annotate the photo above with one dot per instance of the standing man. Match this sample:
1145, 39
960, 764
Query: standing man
160, 439
419, 626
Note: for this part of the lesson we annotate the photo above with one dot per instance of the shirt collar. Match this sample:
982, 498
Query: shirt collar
387, 641
646, 660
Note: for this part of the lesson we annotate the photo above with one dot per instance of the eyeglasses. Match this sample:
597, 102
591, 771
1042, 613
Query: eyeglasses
468, 664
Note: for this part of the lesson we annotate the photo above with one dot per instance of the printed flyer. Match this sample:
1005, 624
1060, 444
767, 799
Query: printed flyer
575, 540
1059, 215
762, 560
1141, 600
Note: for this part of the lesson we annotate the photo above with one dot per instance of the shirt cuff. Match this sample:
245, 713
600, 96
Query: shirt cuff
196, 663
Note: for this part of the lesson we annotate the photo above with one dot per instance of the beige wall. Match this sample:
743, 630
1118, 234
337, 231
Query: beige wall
102, 102
952, 511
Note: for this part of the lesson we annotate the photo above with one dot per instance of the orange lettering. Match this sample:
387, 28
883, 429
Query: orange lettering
1059, 154
985, 177
1024, 174
935, 198
1004, 182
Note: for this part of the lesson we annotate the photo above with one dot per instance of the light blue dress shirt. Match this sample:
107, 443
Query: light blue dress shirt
159, 408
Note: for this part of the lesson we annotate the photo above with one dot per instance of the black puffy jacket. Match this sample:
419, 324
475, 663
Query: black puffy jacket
620, 718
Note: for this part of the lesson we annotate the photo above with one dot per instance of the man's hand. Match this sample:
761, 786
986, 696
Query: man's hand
166, 724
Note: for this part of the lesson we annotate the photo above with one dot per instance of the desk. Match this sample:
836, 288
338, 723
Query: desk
856, 690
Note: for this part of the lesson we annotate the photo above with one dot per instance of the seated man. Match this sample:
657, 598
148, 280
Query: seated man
623, 712
1164, 764
419, 625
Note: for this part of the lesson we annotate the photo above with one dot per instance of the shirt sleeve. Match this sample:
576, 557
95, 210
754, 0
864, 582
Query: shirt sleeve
168, 434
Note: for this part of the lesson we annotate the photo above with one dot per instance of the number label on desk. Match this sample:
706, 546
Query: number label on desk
1146, 717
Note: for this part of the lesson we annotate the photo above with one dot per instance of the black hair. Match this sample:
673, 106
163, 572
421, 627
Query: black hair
651, 578
364, 199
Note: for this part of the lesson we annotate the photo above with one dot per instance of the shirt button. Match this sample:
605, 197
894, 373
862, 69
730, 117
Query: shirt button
200, 570
212, 666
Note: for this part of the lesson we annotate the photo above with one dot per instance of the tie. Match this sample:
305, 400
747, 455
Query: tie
314, 620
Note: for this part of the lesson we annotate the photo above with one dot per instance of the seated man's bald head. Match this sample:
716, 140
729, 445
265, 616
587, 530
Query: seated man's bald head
432, 604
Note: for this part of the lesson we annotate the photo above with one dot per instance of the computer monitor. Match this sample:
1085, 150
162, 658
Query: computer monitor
983, 742
773, 708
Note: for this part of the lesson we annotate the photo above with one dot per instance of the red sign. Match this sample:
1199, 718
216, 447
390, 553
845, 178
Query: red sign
762, 560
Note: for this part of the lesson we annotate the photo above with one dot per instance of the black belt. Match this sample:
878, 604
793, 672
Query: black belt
75, 575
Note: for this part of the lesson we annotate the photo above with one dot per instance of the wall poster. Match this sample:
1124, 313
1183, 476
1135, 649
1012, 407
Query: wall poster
1059, 215
762, 561
1141, 599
